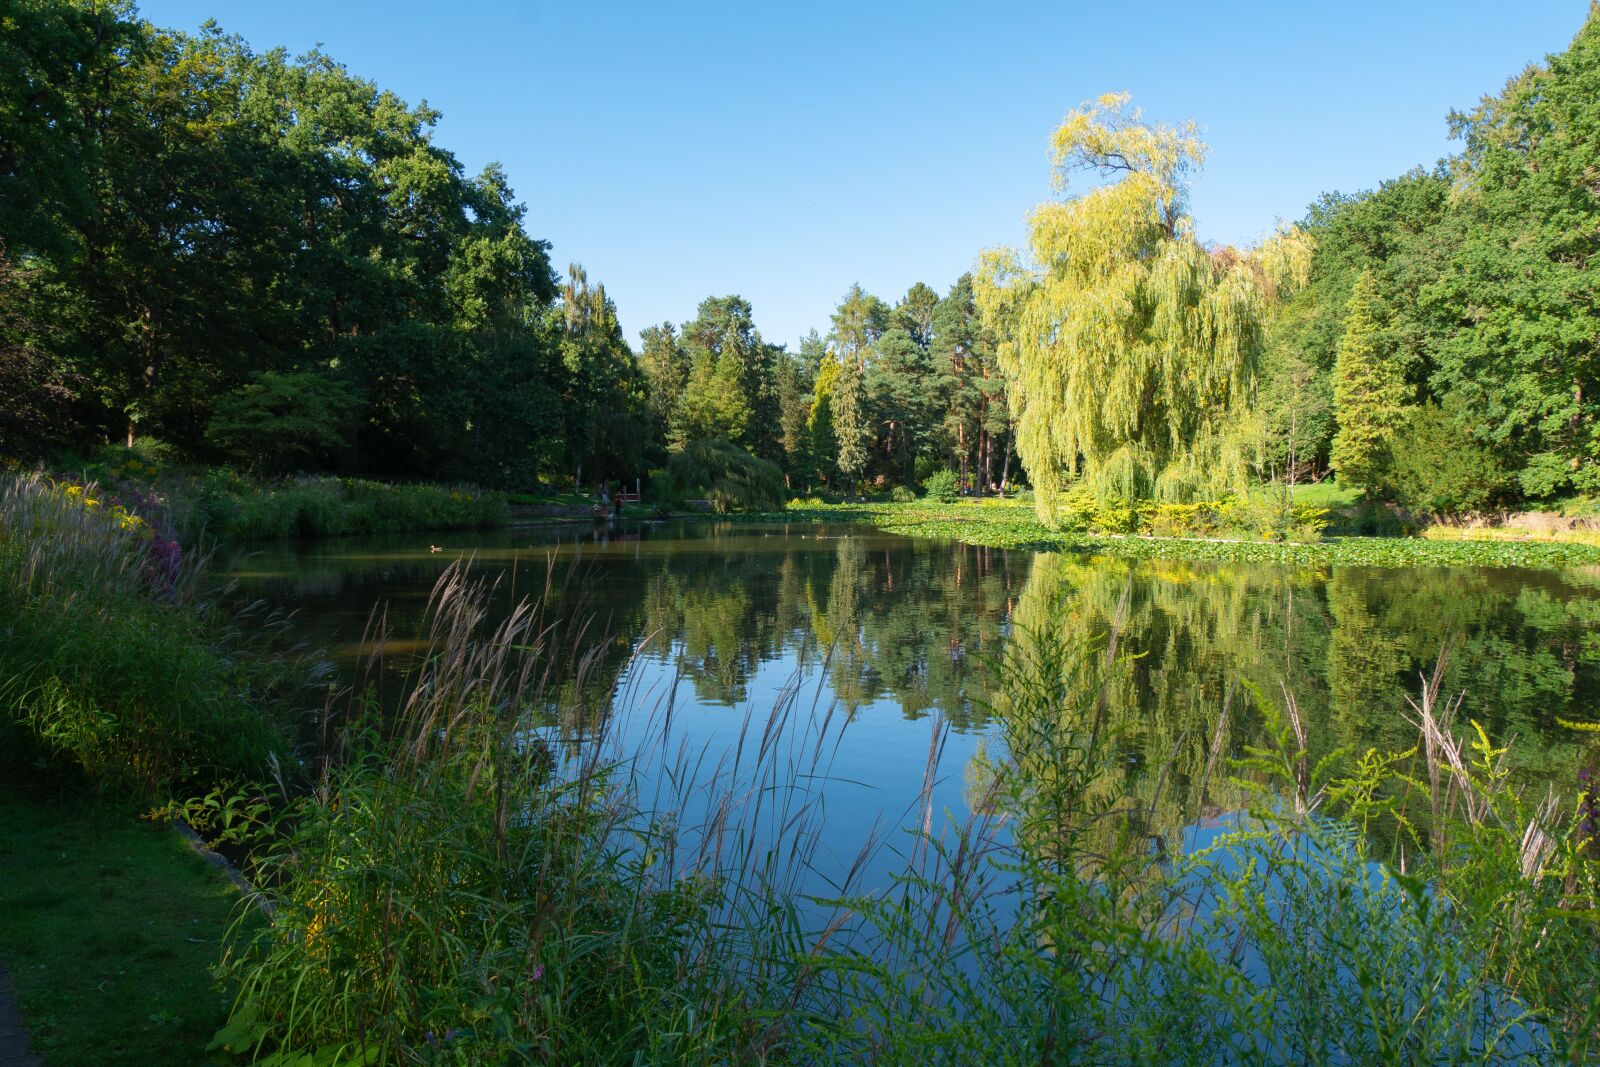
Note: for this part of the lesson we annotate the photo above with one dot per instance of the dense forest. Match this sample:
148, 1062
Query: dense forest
267, 262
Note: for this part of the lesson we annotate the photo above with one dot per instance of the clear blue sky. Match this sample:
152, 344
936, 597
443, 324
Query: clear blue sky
783, 150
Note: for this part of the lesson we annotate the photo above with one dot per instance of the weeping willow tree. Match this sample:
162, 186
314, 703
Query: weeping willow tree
1129, 348
1138, 668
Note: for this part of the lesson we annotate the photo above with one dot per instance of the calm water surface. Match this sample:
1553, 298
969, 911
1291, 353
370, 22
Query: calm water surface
895, 636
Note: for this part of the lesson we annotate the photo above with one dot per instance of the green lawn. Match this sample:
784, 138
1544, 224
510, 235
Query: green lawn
109, 927
1328, 494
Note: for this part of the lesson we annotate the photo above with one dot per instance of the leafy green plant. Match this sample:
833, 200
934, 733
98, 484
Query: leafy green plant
942, 486
731, 478
116, 667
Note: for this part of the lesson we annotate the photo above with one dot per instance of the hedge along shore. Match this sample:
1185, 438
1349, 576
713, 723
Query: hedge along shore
993, 524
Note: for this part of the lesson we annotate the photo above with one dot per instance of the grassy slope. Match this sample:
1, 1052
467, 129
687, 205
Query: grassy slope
1328, 494
109, 927
999, 524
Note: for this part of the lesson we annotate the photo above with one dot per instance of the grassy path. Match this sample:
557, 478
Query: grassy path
13, 1035
109, 927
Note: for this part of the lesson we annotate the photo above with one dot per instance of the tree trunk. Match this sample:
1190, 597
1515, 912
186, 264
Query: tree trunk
989, 461
961, 438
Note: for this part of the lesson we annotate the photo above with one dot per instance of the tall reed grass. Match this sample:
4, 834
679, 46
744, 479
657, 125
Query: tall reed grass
482, 878
117, 669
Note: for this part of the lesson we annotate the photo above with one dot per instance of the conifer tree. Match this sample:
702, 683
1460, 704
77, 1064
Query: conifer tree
1368, 394
857, 325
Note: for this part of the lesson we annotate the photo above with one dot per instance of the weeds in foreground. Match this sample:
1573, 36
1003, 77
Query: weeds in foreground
116, 665
474, 884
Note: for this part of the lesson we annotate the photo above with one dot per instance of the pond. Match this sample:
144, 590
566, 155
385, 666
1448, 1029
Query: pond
892, 641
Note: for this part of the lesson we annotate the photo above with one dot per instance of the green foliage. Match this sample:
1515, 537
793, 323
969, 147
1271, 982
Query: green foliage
602, 390
282, 422
1442, 469
1521, 295
731, 478
941, 486
1368, 396
1482, 302
114, 670
713, 404
220, 223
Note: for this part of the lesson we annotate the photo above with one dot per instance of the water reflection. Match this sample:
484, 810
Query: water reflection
721, 616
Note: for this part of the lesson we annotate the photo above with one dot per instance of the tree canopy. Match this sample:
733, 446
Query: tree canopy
1127, 345
269, 261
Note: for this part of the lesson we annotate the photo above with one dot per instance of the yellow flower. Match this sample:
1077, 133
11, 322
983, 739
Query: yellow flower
314, 929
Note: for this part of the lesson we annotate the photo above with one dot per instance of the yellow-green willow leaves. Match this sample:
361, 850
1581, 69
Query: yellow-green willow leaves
1128, 347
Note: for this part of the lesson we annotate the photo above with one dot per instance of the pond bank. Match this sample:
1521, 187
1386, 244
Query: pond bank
997, 524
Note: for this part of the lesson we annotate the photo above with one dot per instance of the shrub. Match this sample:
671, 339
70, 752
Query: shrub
901, 495
1443, 470
728, 476
226, 506
1271, 514
1178, 520
942, 486
113, 667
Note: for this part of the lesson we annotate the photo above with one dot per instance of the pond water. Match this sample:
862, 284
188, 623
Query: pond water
891, 640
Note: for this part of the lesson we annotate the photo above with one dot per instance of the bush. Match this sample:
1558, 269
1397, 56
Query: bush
1266, 514
285, 421
113, 668
725, 474
1442, 470
1271, 514
228, 507
1178, 520
942, 486
901, 495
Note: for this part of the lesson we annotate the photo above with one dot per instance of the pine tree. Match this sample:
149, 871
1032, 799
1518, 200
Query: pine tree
850, 430
824, 445
859, 322
1368, 394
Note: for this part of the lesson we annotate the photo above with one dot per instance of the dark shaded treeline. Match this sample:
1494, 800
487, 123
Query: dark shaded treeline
268, 261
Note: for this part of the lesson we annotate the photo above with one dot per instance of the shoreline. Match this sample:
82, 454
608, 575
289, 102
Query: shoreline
1017, 527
